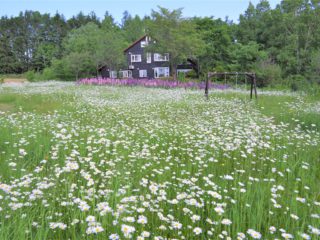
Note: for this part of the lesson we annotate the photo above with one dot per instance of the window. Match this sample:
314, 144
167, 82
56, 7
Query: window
161, 58
161, 72
135, 58
125, 74
149, 58
143, 73
144, 44
113, 74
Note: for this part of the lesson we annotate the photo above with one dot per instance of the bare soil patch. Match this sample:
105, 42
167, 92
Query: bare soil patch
15, 80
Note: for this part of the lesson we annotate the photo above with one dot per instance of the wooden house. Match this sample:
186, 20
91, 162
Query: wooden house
146, 64
143, 64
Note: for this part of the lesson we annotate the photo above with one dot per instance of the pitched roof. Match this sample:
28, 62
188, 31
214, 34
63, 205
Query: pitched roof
134, 43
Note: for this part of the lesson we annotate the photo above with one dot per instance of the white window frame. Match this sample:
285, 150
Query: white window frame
135, 57
157, 57
143, 73
125, 74
113, 74
144, 43
183, 70
149, 57
160, 72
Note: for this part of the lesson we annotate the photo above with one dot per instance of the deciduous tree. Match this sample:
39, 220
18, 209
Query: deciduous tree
173, 34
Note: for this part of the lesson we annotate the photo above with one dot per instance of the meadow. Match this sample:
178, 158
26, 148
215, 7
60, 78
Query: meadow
108, 162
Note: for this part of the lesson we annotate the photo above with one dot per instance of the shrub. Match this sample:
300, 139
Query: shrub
48, 74
191, 74
30, 75
268, 73
181, 77
296, 82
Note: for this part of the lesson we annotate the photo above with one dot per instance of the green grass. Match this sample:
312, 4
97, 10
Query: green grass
33, 103
255, 159
278, 107
12, 76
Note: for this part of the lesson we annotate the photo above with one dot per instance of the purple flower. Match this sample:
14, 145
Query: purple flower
146, 82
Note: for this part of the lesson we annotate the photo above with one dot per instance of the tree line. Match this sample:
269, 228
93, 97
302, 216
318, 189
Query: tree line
281, 45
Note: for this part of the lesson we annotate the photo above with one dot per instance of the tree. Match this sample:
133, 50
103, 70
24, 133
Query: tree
44, 55
8, 62
108, 24
94, 46
247, 25
133, 28
79, 63
248, 55
80, 20
314, 68
170, 33
218, 38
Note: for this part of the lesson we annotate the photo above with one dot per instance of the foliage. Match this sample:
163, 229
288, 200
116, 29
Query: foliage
284, 40
90, 47
268, 73
30, 75
48, 74
218, 43
191, 74
133, 28
61, 69
181, 77
171, 33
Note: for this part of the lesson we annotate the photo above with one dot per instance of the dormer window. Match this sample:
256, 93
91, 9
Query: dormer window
136, 58
144, 44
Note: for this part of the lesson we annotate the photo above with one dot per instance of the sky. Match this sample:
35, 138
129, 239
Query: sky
215, 8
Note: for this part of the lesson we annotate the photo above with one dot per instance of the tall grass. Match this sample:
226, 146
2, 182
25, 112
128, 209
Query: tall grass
90, 162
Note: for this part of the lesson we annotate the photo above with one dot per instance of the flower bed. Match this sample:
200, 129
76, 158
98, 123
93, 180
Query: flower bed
149, 83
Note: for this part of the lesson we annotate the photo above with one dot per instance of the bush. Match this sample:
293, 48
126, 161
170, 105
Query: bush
268, 73
181, 76
296, 82
167, 78
61, 70
301, 83
219, 68
48, 74
191, 74
30, 75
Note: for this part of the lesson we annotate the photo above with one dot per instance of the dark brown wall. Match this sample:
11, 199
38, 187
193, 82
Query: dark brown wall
137, 49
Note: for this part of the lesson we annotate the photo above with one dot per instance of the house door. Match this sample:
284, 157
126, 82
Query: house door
161, 72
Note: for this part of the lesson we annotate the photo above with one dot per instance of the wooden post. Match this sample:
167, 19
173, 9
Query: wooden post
255, 86
206, 90
250, 75
251, 89
236, 80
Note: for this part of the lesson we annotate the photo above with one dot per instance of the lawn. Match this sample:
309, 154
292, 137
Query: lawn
102, 162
